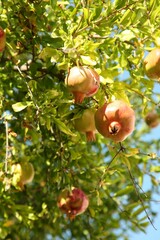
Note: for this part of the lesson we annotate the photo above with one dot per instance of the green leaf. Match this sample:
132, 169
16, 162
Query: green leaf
19, 106
155, 169
144, 224
62, 127
105, 80
132, 152
88, 61
92, 212
124, 191
138, 15
99, 201
139, 211
127, 162
132, 206
57, 42
155, 13
85, 13
50, 52
123, 60
125, 19
118, 4
126, 35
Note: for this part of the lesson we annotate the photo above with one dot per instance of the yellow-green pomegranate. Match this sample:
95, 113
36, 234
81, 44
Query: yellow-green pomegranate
23, 173
152, 64
86, 124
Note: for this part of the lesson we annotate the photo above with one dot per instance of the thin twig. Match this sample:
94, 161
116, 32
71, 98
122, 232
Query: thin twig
140, 94
120, 150
106, 169
113, 159
136, 183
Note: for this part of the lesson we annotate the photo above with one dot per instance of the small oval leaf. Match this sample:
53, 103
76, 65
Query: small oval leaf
19, 106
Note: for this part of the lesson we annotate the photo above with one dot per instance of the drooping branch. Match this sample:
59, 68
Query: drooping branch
138, 194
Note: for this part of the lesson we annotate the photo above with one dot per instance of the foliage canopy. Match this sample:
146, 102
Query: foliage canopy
44, 39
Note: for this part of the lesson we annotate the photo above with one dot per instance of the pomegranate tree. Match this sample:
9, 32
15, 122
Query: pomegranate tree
82, 82
152, 64
73, 202
86, 124
115, 120
2, 39
152, 119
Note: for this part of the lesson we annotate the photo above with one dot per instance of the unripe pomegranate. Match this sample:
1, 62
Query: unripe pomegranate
86, 124
2, 39
82, 82
73, 202
152, 119
115, 120
152, 64
23, 172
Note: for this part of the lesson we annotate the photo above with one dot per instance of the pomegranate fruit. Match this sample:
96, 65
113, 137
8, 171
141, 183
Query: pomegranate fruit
86, 124
82, 82
152, 64
73, 202
2, 39
152, 119
23, 173
115, 120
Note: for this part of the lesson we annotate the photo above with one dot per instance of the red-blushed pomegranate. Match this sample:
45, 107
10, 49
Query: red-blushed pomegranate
2, 39
115, 120
82, 82
152, 64
73, 202
152, 119
86, 124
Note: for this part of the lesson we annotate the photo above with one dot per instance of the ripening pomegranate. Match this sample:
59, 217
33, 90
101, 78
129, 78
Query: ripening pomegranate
152, 64
23, 173
115, 120
73, 202
82, 82
2, 39
86, 124
152, 119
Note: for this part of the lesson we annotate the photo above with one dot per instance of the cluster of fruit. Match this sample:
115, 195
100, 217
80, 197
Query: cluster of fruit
114, 120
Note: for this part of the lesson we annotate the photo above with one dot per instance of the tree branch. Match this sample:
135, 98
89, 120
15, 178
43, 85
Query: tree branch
7, 146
